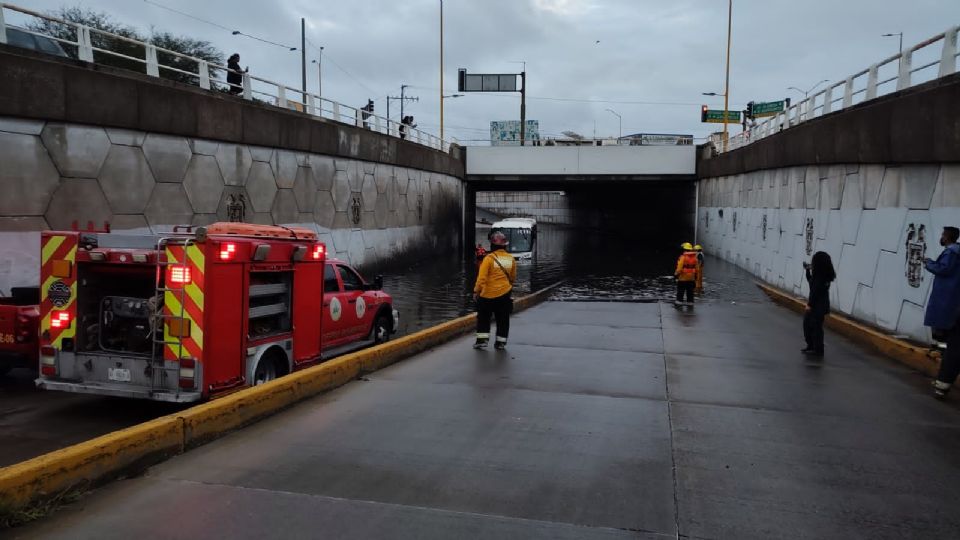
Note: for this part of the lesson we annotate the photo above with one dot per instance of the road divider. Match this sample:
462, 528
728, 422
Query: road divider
919, 358
130, 450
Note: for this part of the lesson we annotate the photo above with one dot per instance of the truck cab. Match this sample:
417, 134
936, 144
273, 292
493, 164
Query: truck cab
356, 313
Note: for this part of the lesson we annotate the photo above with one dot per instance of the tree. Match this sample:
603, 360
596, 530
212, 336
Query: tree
125, 46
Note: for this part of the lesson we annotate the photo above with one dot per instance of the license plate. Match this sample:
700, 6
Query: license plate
118, 374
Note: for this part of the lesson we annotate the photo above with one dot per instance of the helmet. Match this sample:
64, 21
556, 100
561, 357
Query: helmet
698, 247
687, 246
498, 239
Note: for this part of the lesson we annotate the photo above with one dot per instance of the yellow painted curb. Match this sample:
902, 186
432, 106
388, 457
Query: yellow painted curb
108, 456
918, 358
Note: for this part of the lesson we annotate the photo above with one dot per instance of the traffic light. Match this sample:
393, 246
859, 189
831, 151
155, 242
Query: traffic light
703, 113
749, 111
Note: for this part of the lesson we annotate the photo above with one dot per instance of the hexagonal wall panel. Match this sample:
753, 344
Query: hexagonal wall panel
262, 187
126, 180
341, 191
78, 151
304, 189
22, 126
126, 137
168, 205
204, 147
369, 191
324, 209
261, 153
168, 157
27, 175
383, 175
203, 184
80, 200
234, 161
285, 210
128, 222
355, 175
381, 212
323, 168
285, 167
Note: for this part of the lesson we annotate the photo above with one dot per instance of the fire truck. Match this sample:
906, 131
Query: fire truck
198, 312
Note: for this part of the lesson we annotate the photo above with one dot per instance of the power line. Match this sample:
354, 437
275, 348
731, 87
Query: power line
220, 26
579, 100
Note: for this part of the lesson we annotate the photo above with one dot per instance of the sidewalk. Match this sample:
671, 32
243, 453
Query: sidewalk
602, 420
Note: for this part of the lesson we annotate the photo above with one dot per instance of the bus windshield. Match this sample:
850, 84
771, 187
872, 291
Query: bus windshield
521, 240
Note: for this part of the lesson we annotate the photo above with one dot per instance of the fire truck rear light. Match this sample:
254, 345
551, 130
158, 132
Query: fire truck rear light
62, 269
318, 251
188, 372
228, 251
179, 274
48, 361
48, 370
59, 319
140, 257
98, 256
48, 353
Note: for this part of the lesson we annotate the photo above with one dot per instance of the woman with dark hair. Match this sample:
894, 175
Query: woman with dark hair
235, 74
819, 273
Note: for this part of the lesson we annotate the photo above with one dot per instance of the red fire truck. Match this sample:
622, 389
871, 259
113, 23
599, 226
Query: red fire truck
198, 312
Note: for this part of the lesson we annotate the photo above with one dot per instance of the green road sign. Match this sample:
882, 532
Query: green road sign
770, 108
715, 116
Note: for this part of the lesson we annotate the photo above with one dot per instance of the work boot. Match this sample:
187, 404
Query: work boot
940, 389
481, 343
500, 345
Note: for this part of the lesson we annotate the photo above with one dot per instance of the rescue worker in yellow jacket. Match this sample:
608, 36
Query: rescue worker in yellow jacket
687, 274
492, 290
699, 249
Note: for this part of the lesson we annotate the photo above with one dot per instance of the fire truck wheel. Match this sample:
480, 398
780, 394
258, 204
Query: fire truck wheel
381, 329
266, 370
4, 370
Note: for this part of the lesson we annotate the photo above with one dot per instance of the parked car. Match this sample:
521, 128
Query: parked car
19, 323
28, 40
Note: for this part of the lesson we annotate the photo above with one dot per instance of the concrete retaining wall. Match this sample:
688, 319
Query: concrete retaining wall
876, 221
544, 206
56, 173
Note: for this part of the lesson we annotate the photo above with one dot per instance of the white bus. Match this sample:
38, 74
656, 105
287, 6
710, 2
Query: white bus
522, 235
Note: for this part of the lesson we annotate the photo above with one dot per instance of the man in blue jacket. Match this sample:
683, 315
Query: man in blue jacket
943, 308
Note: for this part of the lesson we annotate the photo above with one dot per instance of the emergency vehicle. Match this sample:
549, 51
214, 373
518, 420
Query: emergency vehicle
198, 312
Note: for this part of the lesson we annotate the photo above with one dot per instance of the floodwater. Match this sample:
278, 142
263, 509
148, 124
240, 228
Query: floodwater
592, 266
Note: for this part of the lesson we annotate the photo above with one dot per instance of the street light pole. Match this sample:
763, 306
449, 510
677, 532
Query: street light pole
441, 71
900, 34
726, 91
620, 118
303, 58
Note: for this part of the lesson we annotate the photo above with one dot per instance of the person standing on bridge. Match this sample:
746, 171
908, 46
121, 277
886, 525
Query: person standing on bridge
492, 291
687, 274
943, 308
820, 273
235, 74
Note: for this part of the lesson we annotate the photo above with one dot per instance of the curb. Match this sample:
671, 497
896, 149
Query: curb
918, 358
109, 456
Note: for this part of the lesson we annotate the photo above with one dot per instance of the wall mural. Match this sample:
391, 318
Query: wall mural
808, 233
734, 222
763, 227
355, 210
236, 208
916, 252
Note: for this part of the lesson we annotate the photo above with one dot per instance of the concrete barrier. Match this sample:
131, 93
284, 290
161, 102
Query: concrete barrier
913, 356
101, 459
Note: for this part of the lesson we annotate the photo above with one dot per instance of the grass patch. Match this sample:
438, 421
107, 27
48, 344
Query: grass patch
16, 517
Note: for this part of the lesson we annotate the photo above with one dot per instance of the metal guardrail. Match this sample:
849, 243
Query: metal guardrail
860, 87
206, 75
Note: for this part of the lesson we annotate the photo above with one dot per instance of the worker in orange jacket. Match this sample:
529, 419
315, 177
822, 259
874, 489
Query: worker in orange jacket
492, 290
687, 274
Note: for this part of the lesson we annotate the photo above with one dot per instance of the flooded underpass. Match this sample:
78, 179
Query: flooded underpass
592, 265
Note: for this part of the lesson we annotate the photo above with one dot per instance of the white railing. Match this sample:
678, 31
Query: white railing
207, 76
862, 86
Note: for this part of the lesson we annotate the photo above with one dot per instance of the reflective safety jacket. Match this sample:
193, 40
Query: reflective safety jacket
495, 280
688, 267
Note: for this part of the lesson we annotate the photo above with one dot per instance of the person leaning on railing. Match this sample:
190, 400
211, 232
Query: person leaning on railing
235, 74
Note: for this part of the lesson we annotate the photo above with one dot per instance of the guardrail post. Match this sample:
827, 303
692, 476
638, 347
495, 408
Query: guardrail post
310, 105
247, 91
376, 124
948, 58
848, 93
203, 70
153, 66
84, 44
906, 64
281, 97
336, 110
871, 83
827, 100
3, 27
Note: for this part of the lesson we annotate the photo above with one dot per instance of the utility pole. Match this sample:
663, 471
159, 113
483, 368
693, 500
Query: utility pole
523, 107
441, 72
726, 91
303, 58
401, 98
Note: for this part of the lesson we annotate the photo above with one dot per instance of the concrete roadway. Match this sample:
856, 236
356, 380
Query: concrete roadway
603, 420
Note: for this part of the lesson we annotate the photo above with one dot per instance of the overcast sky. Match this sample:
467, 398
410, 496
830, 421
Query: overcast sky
649, 60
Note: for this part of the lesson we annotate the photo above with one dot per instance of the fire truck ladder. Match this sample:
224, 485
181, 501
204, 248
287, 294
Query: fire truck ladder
157, 361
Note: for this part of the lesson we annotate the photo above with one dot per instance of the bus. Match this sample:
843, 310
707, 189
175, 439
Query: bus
521, 234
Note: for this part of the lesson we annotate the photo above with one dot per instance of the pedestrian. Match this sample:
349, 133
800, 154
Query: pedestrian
479, 253
687, 273
235, 74
943, 308
699, 249
820, 274
492, 290
406, 124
